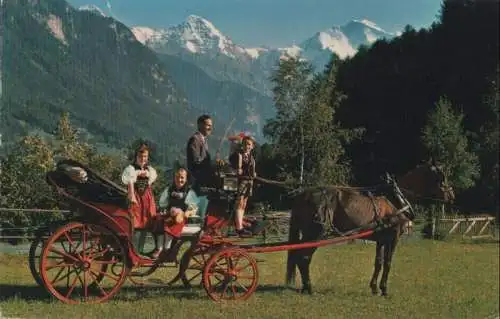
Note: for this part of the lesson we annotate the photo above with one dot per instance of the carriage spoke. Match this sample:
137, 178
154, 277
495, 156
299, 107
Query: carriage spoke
245, 277
104, 262
226, 285
85, 288
58, 265
72, 287
233, 289
245, 288
69, 240
99, 253
57, 251
233, 266
218, 280
242, 268
67, 276
84, 233
108, 275
194, 277
96, 281
57, 275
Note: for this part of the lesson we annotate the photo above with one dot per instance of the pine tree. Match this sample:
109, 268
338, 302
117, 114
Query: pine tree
325, 137
68, 144
286, 131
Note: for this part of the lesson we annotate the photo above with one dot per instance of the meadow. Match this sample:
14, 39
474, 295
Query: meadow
429, 279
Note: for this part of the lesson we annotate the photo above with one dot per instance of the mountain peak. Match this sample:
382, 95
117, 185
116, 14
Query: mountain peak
369, 24
201, 25
92, 8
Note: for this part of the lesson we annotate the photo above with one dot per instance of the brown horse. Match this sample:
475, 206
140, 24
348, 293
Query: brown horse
319, 210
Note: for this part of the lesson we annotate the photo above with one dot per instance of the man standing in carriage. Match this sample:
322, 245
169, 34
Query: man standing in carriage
198, 156
199, 161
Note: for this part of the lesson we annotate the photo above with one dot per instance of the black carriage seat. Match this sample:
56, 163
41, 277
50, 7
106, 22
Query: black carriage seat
87, 185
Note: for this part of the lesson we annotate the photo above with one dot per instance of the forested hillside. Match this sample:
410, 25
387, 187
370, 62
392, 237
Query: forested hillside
393, 92
59, 59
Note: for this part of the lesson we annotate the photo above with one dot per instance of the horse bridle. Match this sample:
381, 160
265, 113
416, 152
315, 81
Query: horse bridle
407, 208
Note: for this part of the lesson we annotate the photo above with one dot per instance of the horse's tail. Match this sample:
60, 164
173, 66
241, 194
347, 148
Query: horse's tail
293, 237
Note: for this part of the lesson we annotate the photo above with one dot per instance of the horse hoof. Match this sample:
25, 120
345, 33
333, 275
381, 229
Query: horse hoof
374, 290
384, 293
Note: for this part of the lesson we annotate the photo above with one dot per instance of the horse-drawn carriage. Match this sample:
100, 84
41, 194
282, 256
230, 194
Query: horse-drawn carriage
96, 244
90, 256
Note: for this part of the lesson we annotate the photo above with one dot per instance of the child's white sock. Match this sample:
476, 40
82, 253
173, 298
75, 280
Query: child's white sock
168, 241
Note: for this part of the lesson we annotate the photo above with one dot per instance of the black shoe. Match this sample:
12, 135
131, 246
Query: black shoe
243, 233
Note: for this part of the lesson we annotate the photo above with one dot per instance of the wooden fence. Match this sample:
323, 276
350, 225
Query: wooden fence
472, 227
278, 222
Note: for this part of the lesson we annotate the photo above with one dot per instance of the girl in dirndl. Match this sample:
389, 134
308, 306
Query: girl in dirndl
177, 203
139, 176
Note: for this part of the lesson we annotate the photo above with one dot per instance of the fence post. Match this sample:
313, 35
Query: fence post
433, 228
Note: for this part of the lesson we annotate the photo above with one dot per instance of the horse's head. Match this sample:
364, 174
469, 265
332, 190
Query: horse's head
428, 180
406, 208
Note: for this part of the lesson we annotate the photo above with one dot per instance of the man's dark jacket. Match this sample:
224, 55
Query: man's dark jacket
198, 160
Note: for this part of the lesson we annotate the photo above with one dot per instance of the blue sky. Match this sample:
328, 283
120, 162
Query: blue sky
272, 22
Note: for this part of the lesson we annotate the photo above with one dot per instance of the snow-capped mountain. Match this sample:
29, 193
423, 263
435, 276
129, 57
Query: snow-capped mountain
344, 41
199, 36
196, 35
92, 8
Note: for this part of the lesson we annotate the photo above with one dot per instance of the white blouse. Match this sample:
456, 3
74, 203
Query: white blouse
129, 175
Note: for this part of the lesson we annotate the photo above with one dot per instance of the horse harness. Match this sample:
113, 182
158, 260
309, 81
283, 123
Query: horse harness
325, 215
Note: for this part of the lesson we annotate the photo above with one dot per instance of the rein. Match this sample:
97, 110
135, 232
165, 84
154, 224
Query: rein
297, 186
425, 197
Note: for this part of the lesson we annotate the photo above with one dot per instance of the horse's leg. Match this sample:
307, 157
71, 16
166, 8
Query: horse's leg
293, 237
303, 263
377, 267
390, 247
304, 256
290, 268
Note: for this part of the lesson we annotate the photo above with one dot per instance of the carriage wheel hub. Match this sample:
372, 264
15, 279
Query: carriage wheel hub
86, 265
232, 275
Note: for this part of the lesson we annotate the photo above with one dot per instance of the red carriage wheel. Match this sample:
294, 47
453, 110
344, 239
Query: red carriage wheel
34, 256
230, 274
75, 261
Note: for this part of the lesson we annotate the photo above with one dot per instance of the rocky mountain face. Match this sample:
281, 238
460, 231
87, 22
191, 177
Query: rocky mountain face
116, 90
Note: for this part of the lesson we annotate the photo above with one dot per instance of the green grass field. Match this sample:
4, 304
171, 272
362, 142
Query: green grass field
428, 280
